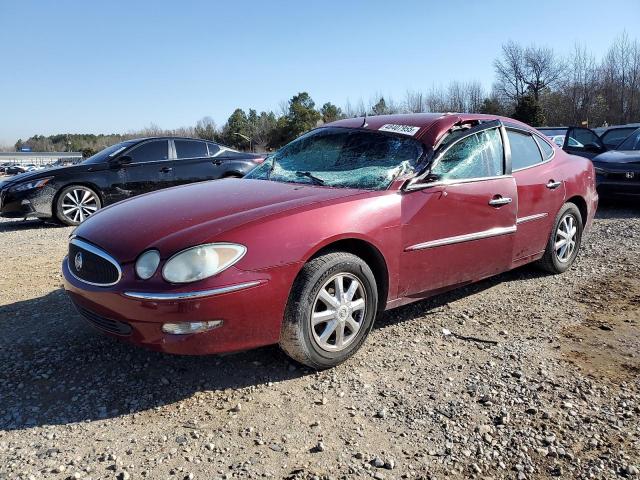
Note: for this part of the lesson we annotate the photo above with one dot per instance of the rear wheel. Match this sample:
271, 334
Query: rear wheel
564, 241
75, 203
330, 311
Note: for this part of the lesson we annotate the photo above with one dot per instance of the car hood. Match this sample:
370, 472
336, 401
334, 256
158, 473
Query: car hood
619, 156
47, 172
180, 217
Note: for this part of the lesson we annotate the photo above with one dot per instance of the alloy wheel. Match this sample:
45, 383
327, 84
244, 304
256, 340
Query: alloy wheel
566, 238
338, 312
79, 204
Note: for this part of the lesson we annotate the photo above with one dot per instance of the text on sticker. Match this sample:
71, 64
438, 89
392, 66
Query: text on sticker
403, 129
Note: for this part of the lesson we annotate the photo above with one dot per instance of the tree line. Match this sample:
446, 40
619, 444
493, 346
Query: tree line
532, 83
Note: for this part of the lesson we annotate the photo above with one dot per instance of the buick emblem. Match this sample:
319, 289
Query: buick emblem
78, 261
629, 175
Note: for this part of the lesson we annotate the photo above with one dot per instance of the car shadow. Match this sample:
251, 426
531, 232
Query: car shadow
30, 224
618, 208
56, 369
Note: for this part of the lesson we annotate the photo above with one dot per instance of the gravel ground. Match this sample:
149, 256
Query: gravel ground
558, 395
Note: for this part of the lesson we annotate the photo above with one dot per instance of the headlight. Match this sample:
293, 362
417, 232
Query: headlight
41, 182
200, 262
147, 264
599, 170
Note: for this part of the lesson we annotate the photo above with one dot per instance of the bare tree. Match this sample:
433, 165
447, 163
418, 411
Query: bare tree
414, 102
523, 71
510, 72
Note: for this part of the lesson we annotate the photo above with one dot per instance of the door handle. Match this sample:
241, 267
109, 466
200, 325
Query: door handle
498, 201
166, 169
552, 185
217, 162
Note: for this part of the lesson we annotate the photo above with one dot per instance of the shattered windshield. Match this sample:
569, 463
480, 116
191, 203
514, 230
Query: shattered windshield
342, 157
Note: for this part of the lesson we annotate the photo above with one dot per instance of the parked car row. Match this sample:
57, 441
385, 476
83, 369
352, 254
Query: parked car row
16, 168
615, 154
70, 194
350, 219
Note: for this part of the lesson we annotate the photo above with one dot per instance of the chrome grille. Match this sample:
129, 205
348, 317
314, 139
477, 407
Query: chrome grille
92, 265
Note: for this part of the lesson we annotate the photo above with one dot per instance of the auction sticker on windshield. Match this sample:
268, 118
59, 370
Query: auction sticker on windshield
403, 129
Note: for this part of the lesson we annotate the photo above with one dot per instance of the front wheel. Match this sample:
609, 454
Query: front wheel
564, 241
331, 310
75, 203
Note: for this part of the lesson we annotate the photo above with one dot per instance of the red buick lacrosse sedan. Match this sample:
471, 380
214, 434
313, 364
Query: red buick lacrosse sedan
350, 219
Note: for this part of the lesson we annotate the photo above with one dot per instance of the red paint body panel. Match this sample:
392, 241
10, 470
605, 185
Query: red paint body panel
284, 225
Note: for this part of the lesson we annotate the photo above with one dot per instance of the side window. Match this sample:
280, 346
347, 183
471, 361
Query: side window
477, 156
583, 139
150, 151
547, 150
190, 149
524, 150
213, 149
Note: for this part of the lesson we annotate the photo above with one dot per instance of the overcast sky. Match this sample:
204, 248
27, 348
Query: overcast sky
114, 66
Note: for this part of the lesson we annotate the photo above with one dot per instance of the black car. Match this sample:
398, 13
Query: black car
15, 169
70, 194
618, 171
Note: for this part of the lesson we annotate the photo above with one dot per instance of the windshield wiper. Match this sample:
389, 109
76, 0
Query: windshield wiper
316, 180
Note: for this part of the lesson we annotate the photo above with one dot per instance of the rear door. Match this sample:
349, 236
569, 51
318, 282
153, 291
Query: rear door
541, 191
583, 141
195, 163
460, 227
150, 169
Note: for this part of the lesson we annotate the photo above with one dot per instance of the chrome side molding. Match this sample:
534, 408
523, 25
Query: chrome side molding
193, 294
531, 218
493, 232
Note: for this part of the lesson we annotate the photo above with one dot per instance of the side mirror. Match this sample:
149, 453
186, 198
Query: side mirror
120, 161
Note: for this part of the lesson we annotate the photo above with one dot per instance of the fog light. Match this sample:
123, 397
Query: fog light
190, 327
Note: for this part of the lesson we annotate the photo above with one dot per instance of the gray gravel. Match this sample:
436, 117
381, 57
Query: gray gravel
558, 396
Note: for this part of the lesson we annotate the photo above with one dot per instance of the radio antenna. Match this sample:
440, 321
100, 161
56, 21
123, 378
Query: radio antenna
364, 121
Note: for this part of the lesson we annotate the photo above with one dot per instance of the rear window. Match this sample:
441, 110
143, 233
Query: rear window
190, 149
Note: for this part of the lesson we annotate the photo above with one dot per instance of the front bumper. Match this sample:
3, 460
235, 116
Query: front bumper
251, 308
30, 203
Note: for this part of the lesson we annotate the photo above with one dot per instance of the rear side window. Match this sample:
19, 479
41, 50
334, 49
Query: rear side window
151, 151
547, 150
213, 149
477, 156
190, 149
524, 150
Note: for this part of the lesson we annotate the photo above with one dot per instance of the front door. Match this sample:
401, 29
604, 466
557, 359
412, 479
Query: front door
150, 168
460, 227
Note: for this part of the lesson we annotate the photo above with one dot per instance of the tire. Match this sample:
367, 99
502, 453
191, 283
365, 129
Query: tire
308, 302
555, 259
75, 203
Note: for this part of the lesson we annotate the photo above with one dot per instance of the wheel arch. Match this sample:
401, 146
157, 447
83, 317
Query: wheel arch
370, 254
581, 203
